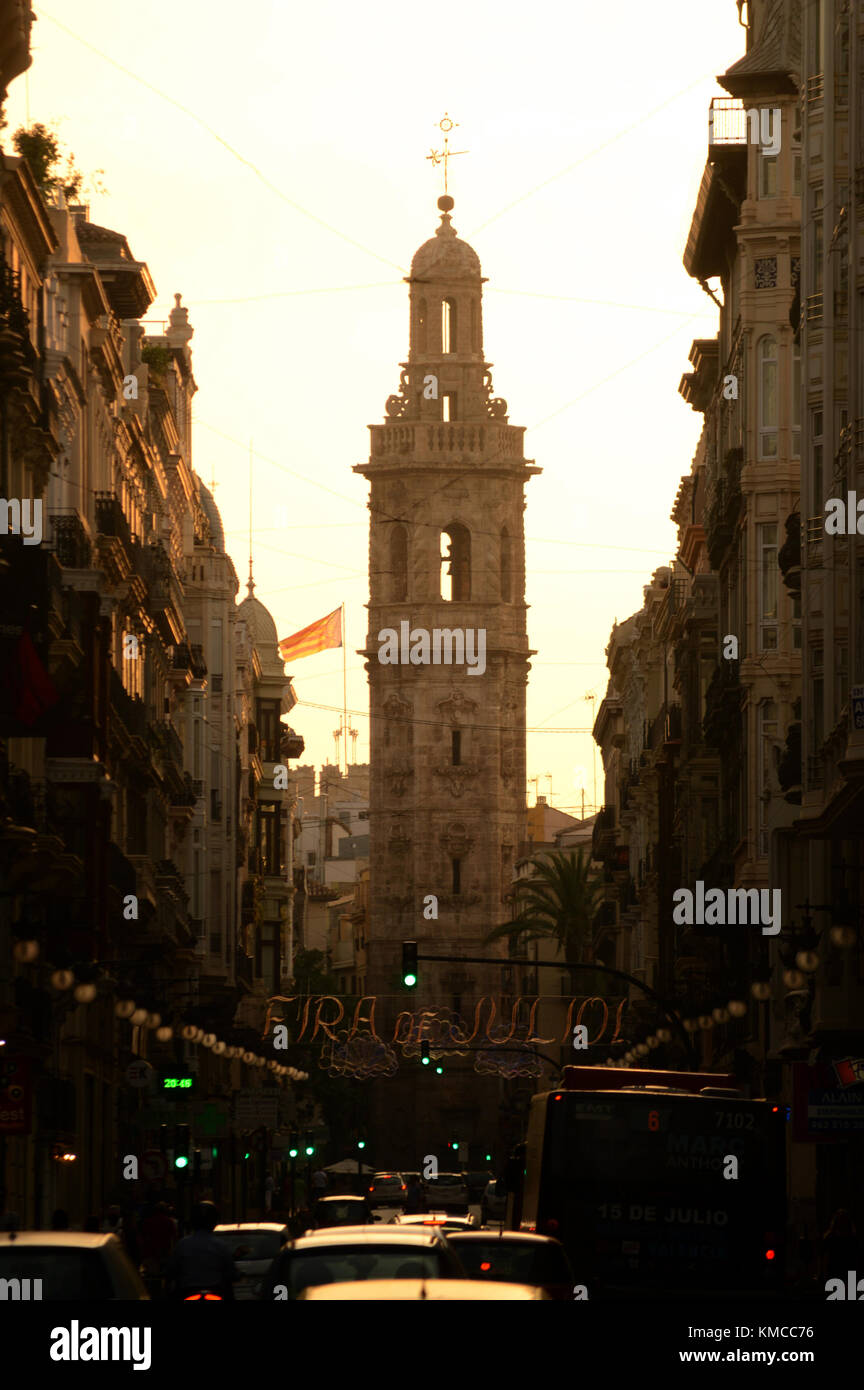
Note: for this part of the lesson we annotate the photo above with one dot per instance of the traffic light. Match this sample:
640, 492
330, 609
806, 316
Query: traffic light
181, 1146
309, 1151
439, 1070
292, 1152
409, 964
488, 1158
361, 1143
424, 1054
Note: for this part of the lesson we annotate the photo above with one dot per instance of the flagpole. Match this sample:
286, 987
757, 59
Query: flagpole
345, 688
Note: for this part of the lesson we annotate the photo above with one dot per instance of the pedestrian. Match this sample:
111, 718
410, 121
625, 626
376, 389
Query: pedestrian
113, 1223
320, 1183
415, 1197
129, 1236
60, 1220
841, 1248
158, 1237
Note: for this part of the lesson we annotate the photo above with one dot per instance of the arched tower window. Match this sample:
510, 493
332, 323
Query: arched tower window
421, 326
476, 336
767, 359
506, 575
398, 563
456, 577
448, 325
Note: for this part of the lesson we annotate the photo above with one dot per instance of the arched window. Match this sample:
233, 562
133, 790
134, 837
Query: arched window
506, 575
476, 344
456, 577
767, 359
448, 325
421, 326
398, 563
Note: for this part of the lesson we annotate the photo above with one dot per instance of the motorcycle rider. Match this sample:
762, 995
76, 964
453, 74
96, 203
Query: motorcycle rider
201, 1261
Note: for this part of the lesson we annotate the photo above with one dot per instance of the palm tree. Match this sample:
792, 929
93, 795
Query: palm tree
558, 903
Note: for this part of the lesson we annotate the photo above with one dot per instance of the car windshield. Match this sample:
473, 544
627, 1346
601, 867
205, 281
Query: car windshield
66, 1272
336, 1266
349, 1211
251, 1245
390, 1181
519, 1262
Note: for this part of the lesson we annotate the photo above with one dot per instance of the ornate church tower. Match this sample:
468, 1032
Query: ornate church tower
447, 794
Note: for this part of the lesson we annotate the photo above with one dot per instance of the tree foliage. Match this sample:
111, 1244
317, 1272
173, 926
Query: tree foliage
53, 170
559, 903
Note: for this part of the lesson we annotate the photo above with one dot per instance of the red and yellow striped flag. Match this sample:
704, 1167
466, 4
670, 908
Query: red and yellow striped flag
317, 637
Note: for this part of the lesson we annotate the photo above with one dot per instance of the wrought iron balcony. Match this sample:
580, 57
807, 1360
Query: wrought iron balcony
110, 520
71, 542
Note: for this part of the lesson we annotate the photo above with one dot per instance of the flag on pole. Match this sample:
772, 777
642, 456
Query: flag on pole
317, 637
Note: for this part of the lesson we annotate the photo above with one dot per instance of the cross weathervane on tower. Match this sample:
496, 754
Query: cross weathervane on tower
441, 156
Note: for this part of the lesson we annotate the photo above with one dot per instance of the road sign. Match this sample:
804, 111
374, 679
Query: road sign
153, 1165
858, 707
138, 1073
254, 1109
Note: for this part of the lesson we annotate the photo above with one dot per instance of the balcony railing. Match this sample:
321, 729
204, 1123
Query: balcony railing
816, 88
71, 542
727, 122
110, 520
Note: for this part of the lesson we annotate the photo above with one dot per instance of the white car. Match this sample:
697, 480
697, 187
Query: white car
254, 1246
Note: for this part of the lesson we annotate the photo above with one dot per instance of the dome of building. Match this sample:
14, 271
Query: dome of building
262, 631
211, 511
444, 256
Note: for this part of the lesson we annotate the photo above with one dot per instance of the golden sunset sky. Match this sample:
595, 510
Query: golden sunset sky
285, 201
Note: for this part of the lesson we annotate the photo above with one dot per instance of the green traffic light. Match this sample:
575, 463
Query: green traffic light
292, 1153
440, 1071
181, 1162
245, 1155
425, 1061
310, 1149
361, 1143
409, 980
488, 1158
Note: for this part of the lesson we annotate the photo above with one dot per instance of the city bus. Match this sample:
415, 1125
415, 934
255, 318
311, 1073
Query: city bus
658, 1183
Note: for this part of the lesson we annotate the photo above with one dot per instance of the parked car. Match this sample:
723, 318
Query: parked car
360, 1253
447, 1192
254, 1246
516, 1256
70, 1266
343, 1211
386, 1190
493, 1205
422, 1290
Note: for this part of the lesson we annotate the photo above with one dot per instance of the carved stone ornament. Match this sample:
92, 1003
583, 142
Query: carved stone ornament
395, 707
457, 707
458, 777
456, 839
397, 776
398, 838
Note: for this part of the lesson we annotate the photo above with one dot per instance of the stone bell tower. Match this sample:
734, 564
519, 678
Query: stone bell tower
447, 794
